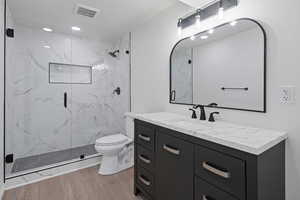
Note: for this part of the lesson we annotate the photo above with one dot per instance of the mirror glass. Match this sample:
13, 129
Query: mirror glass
223, 65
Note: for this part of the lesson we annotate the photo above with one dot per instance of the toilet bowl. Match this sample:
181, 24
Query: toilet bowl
111, 148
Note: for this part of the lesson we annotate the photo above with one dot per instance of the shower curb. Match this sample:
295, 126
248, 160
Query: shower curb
50, 173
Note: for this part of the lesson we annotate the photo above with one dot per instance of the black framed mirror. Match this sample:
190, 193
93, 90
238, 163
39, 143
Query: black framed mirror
225, 65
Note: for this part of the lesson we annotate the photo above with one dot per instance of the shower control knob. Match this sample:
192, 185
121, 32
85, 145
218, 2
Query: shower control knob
117, 91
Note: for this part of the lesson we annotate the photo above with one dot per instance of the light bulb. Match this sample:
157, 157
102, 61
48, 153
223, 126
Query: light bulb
221, 10
221, 13
211, 31
192, 37
179, 30
198, 20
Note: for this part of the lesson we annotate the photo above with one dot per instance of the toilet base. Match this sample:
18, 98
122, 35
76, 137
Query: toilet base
110, 165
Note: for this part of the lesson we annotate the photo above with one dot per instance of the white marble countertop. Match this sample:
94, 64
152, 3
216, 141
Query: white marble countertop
248, 139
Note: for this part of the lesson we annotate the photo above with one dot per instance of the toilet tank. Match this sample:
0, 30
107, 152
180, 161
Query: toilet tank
129, 126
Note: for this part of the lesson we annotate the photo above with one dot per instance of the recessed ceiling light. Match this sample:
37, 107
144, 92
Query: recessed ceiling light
233, 23
204, 37
75, 28
47, 47
47, 29
211, 31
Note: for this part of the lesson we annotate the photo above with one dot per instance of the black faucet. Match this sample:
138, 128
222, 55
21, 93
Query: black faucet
211, 117
202, 112
194, 115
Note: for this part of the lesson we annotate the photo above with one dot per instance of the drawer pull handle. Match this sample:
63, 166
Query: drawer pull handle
171, 150
204, 197
144, 181
145, 138
216, 171
145, 160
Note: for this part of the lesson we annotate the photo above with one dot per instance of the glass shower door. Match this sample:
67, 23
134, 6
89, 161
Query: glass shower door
38, 119
64, 89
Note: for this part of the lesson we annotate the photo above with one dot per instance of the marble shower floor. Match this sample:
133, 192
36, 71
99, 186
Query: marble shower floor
31, 162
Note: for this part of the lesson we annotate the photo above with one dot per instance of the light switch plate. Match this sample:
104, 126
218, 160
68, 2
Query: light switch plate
287, 94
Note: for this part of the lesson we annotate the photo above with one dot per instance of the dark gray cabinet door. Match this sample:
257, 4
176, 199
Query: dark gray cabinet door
174, 167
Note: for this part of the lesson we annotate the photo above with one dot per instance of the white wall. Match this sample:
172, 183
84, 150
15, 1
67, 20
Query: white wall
152, 44
1, 92
151, 47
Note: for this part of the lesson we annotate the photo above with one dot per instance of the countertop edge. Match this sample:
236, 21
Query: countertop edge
241, 147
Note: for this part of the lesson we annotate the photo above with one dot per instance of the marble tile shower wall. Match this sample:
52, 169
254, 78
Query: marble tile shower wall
37, 121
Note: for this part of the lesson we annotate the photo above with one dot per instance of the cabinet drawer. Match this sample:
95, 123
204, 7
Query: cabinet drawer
205, 191
145, 158
143, 194
145, 135
221, 170
174, 168
145, 180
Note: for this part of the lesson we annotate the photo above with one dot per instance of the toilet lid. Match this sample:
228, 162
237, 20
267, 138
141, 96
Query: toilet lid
112, 140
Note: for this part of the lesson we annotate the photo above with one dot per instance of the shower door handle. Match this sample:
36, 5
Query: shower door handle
65, 100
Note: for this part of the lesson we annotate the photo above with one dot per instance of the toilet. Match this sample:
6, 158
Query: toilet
116, 151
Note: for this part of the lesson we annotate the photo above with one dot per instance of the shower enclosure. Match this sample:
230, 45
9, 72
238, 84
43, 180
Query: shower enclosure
63, 91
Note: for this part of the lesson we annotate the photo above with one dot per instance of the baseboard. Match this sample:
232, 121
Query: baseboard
1, 191
50, 173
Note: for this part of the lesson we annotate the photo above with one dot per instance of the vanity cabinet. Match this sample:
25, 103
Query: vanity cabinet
171, 165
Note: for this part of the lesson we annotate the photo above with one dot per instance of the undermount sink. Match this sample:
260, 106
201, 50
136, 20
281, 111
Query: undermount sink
203, 126
194, 125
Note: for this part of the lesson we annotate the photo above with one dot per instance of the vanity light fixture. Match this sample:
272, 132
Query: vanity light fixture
204, 37
179, 27
213, 8
75, 28
221, 10
47, 29
211, 31
233, 23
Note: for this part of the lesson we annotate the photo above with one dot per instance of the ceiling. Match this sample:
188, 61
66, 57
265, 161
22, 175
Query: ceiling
115, 18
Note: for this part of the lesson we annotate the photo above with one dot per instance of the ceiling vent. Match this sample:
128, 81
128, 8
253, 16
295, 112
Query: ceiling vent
86, 11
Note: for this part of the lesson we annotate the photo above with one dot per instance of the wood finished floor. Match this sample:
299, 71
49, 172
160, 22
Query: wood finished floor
84, 184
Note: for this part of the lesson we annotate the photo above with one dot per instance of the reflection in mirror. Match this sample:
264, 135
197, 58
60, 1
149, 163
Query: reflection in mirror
225, 65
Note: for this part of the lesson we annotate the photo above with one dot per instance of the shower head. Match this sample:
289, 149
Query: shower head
114, 53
